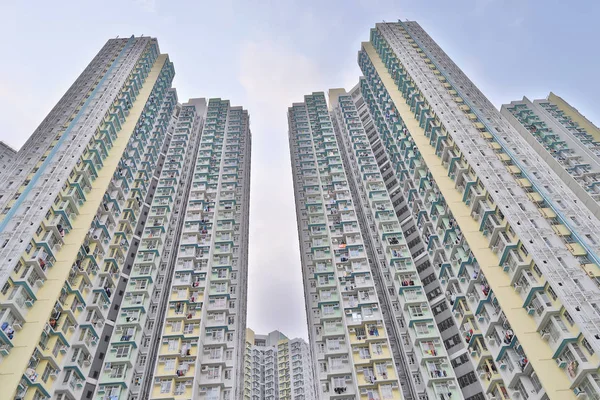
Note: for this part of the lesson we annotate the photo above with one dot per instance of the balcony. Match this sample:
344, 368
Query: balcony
10, 325
411, 296
430, 350
514, 263
20, 301
541, 307
527, 285
503, 244
41, 260
439, 370
556, 333
362, 314
481, 209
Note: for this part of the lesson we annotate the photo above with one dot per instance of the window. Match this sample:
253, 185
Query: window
551, 293
443, 306
46, 373
587, 347
386, 392
165, 386
417, 378
176, 326
452, 341
188, 329
67, 375
117, 371
568, 318
467, 379
169, 364
445, 324
536, 383
122, 351
460, 361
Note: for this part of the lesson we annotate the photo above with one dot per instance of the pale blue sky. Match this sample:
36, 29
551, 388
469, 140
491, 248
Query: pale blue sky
264, 55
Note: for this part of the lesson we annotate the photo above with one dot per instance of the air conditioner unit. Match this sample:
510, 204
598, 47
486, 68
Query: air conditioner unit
517, 287
530, 310
39, 283
581, 395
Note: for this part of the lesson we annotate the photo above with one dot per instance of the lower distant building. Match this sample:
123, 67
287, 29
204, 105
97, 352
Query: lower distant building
7, 155
277, 368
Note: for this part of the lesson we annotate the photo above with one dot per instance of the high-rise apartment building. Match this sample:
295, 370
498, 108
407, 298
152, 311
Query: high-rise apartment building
201, 339
7, 155
563, 138
124, 230
261, 377
424, 213
349, 236
277, 368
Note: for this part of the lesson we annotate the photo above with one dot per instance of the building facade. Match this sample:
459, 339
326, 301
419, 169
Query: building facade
120, 215
7, 155
201, 340
277, 368
566, 140
481, 250
423, 372
349, 239
510, 242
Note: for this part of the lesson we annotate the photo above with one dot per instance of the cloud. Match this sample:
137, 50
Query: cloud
147, 5
482, 6
18, 122
517, 22
274, 75
349, 77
